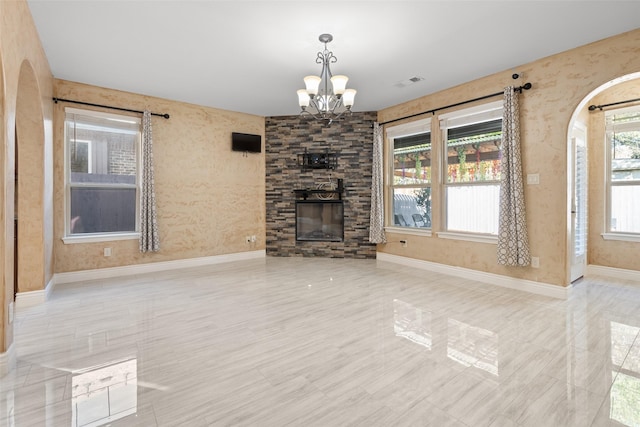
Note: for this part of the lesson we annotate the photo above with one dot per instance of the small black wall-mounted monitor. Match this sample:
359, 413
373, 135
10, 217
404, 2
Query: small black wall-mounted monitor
246, 142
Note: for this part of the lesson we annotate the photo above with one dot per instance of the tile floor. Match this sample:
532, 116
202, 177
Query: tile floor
324, 342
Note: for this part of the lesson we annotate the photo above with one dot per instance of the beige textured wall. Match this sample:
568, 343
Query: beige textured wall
608, 253
560, 83
209, 197
30, 188
20, 45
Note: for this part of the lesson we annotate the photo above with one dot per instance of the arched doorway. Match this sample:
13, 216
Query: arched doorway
6, 278
29, 156
582, 221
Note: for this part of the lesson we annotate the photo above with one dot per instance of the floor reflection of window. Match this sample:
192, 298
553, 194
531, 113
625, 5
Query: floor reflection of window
625, 390
473, 346
622, 336
104, 393
625, 399
412, 323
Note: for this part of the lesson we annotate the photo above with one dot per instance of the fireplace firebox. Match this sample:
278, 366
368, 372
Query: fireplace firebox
320, 220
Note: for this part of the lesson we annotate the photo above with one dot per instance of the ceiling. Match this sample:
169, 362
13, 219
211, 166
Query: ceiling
251, 56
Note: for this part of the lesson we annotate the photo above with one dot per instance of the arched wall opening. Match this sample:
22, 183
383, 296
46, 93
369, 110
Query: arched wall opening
6, 256
30, 182
596, 177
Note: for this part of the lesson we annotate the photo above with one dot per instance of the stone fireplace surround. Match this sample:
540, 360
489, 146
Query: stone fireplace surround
286, 137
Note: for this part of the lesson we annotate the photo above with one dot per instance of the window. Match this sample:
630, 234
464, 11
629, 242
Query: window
410, 175
471, 172
623, 170
101, 173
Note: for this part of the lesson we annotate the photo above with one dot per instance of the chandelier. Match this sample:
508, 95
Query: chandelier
321, 100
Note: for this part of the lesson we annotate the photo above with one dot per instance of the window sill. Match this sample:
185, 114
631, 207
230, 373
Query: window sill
469, 237
414, 231
94, 238
626, 237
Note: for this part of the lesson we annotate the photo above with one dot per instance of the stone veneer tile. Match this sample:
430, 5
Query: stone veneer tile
351, 139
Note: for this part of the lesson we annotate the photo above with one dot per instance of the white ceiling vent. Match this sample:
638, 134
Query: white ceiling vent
409, 81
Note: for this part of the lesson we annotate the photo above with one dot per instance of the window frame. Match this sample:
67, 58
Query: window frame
610, 234
392, 133
478, 114
70, 238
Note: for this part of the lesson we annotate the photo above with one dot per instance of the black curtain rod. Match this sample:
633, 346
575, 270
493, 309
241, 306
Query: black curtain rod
166, 116
600, 107
519, 89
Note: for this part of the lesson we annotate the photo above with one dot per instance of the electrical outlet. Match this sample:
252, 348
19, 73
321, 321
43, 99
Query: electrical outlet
533, 179
253, 239
535, 262
107, 251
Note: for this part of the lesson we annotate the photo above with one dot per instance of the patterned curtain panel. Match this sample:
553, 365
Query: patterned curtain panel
149, 241
513, 241
376, 222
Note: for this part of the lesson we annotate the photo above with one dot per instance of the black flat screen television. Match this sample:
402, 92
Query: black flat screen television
246, 142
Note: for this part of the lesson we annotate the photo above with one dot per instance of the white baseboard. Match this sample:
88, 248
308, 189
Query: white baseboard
33, 298
30, 299
7, 361
481, 276
615, 273
153, 267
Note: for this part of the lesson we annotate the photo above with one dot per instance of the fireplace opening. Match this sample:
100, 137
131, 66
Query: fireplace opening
320, 220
